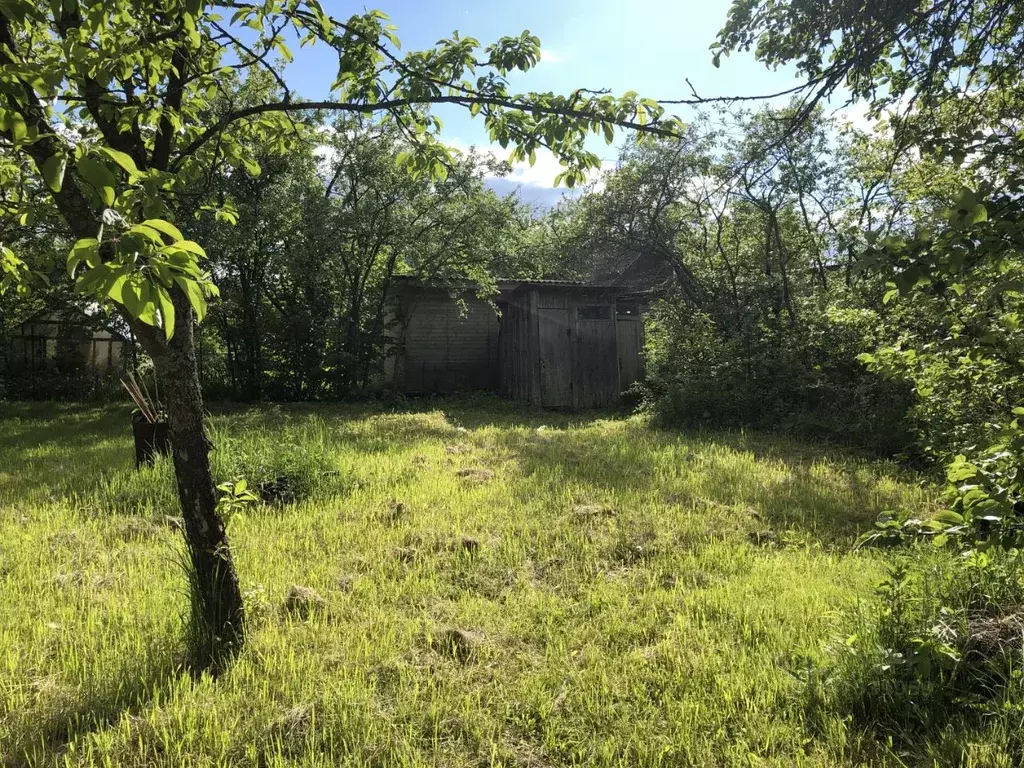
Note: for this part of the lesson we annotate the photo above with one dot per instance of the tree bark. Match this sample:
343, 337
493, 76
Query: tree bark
218, 613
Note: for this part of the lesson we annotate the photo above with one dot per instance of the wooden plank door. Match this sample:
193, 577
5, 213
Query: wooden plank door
555, 357
597, 364
630, 333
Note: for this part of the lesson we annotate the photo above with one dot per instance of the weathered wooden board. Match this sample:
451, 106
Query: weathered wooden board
555, 358
595, 363
630, 333
447, 351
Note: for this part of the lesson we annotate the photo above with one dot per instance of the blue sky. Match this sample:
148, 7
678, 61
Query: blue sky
650, 46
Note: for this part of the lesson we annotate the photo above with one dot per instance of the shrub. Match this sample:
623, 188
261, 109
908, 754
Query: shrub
804, 380
942, 640
277, 472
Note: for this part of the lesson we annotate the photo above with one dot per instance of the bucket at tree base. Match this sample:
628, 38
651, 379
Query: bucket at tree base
150, 438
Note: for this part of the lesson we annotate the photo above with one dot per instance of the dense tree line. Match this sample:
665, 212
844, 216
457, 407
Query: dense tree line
749, 231
308, 272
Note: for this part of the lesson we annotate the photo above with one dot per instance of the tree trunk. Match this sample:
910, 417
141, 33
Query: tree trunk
218, 617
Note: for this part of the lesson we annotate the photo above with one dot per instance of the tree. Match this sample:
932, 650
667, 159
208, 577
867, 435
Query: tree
307, 275
947, 76
111, 104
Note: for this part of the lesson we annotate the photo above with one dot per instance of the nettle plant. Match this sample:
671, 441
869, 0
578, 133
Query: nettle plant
114, 115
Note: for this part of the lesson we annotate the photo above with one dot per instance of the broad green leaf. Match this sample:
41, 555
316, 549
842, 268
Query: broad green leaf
99, 178
123, 159
166, 310
961, 470
90, 282
190, 246
139, 299
53, 171
252, 167
949, 517
132, 297
86, 249
148, 232
116, 290
194, 292
166, 227
19, 131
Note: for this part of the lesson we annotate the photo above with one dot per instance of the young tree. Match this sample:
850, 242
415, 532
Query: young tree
110, 103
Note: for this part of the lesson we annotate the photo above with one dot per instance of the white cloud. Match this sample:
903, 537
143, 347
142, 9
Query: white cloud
857, 116
553, 56
540, 175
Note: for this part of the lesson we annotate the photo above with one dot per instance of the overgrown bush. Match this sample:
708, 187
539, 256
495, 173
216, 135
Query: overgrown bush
804, 379
278, 472
280, 467
943, 640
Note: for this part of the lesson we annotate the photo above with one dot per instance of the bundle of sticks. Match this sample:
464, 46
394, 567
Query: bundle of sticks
148, 406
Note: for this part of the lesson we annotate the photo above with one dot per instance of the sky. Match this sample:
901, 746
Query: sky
648, 46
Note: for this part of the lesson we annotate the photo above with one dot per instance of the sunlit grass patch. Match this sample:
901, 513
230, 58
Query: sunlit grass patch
483, 588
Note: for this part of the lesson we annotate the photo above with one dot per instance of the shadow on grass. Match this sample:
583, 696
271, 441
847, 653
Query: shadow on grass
42, 735
50, 449
819, 491
793, 485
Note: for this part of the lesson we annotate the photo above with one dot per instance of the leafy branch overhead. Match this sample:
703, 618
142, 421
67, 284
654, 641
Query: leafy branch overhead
119, 109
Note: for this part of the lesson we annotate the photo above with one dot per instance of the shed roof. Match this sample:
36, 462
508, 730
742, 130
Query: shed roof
515, 284
65, 313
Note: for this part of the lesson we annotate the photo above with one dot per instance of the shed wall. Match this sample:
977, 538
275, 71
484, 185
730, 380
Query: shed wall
446, 351
559, 348
553, 346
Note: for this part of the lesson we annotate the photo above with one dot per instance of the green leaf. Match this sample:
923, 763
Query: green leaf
146, 231
961, 470
251, 166
91, 280
139, 300
949, 517
166, 310
53, 171
194, 292
167, 228
132, 295
123, 159
99, 178
116, 290
189, 246
19, 131
86, 249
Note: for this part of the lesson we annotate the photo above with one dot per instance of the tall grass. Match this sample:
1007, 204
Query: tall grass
458, 586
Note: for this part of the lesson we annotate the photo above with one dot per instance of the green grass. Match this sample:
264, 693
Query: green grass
629, 596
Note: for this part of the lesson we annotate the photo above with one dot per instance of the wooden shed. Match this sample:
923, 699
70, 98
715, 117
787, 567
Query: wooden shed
554, 344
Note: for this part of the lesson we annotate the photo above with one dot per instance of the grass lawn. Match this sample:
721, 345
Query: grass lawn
495, 589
